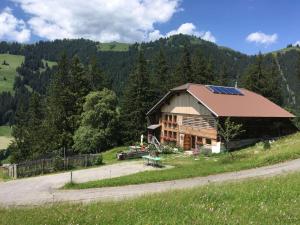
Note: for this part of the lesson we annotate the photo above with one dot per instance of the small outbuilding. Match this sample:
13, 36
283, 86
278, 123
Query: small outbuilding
188, 115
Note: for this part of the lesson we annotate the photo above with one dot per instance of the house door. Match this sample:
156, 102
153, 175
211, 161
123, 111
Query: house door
193, 142
187, 142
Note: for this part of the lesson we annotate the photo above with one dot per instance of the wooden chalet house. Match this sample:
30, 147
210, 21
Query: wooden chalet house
187, 116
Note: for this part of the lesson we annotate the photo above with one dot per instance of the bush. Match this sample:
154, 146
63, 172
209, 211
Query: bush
99, 160
58, 163
166, 149
267, 145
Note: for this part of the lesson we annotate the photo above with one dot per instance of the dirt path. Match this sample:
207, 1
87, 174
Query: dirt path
32, 191
41, 189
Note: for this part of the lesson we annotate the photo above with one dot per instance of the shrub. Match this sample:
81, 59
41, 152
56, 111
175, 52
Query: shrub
99, 160
267, 145
166, 149
58, 163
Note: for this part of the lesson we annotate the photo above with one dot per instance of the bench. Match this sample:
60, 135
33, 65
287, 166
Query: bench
153, 161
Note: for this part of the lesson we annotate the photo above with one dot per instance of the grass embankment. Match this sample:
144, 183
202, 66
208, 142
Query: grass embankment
5, 136
109, 157
284, 149
113, 46
5, 131
260, 201
8, 72
3, 176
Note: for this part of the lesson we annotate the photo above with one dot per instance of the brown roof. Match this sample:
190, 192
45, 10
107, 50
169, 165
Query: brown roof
249, 104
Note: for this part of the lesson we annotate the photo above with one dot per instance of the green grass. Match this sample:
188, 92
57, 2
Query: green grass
185, 166
113, 46
109, 157
259, 201
284, 50
3, 176
9, 72
5, 131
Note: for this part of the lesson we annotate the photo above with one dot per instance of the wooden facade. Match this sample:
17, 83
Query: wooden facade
187, 116
187, 123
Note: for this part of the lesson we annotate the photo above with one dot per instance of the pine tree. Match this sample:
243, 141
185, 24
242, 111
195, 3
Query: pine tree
79, 88
60, 105
254, 77
264, 80
35, 126
137, 100
210, 74
199, 65
273, 90
161, 80
20, 147
97, 77
223, 76
183, 73
298, 66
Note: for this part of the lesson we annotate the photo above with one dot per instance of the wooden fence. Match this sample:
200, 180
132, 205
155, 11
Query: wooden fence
43, 166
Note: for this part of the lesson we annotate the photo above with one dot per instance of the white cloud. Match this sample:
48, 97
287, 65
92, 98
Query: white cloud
186, 28
208, 36
101, 20
262, 38
297, 43
11, 28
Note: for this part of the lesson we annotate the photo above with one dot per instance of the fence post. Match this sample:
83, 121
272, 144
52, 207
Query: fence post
15, 173
42, 166
85, 160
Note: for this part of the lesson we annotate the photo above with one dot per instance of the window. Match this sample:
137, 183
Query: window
208, 141
174, 134
175, 119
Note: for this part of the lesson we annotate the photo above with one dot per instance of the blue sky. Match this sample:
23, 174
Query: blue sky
248, 26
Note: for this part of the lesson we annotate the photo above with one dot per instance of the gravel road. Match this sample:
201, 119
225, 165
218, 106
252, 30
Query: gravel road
43, 189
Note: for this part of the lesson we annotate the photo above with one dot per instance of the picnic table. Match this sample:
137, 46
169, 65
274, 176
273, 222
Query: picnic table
153, 161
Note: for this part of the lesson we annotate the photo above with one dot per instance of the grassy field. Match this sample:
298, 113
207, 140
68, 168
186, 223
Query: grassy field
8, 72
186, 166
260, 201
109, 157
113, 46
5, 131
5, 136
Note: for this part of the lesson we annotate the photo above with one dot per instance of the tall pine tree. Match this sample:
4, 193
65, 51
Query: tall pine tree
273, 90
161, 80
223, 76
255, 78
65, 100
137, 100
183, 73
199, 65
298, 66
264, 80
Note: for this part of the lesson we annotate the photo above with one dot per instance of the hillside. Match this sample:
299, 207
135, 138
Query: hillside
8, 71
117, 60
256, 201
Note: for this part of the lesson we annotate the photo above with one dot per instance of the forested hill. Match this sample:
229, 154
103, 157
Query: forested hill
118, 60
82, 96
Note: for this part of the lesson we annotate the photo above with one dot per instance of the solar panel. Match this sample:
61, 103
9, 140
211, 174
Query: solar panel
224, 90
